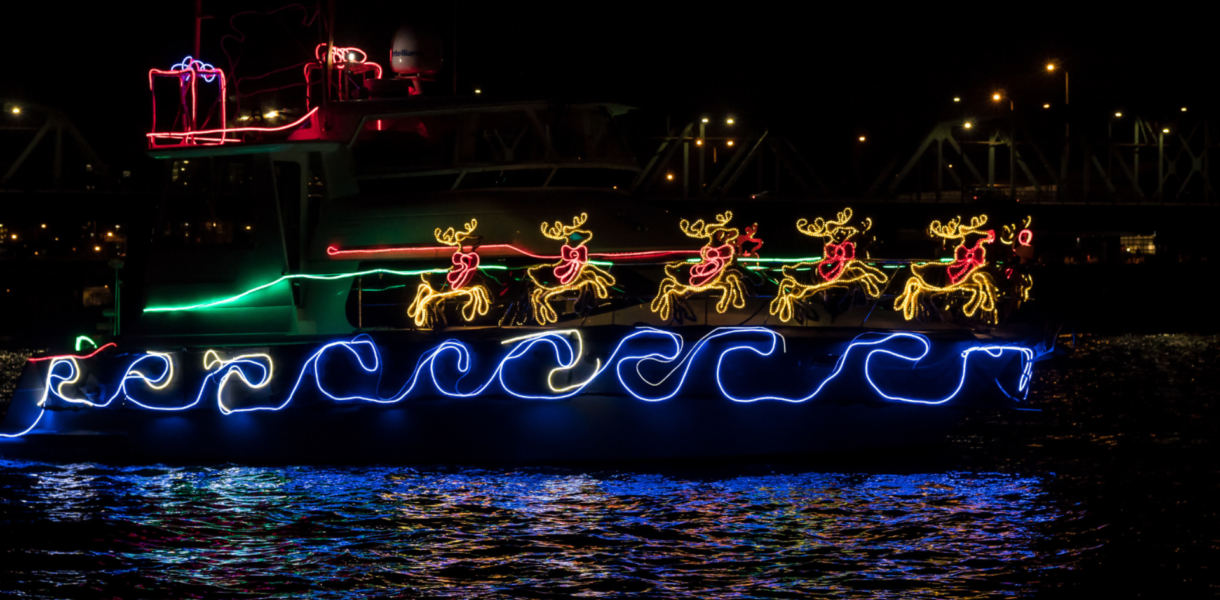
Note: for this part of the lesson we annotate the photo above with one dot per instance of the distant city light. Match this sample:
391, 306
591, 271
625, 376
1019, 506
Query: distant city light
669, 176
730, 142
729, 121
247, 227
968, 125
698, 142
273, 114
1050, 67
1183, 109
705, 120
1046, 106
861, 138
1165, 130
995, 97
957, 99
1118, 114
44, 225
97, 248
16, 110
478, 91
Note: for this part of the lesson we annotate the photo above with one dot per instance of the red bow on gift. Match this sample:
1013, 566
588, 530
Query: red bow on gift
464, 265
966, 259
837, 256
573, 260
714, 260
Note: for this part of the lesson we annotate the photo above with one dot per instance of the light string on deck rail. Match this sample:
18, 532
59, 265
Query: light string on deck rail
566, 347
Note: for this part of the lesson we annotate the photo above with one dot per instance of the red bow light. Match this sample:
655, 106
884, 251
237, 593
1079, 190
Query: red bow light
574, 259
464, 266
966, 260
837, 257
714, 261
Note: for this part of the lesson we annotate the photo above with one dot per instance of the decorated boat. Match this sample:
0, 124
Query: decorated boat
387, 275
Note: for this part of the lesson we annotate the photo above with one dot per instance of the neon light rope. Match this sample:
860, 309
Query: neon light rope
231, 299
336, 251
226, 131
565, 349
67, 356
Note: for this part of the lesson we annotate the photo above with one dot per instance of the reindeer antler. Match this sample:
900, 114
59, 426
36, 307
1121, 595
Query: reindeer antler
700, 229
954, 230
452, 237
836, 230
561, 232
1011, 231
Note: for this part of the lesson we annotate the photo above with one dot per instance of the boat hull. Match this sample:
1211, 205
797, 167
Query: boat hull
539, 397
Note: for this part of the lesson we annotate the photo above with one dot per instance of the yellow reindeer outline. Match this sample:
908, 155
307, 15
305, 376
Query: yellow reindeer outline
428, 301
727, 280
869, 278
978, 284
588, 276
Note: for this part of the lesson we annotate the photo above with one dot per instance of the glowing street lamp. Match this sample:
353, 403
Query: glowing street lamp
957, 99
729, 120
968, 125
996, 97
16, 110
861, 138
1118, 115
1050, 66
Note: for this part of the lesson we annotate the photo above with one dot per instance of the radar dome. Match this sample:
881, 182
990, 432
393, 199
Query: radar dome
415, 53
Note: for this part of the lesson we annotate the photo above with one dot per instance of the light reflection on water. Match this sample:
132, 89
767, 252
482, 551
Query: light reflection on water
352, 532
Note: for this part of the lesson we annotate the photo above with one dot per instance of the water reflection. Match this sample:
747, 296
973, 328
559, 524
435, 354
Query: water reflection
352, 532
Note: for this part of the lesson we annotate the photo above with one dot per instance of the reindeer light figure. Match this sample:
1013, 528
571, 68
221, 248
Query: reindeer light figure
573, 272
1021, 239
428, 303
712, 272
837, 269
964, 274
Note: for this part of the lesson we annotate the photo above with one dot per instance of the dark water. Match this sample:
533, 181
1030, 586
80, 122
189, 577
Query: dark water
1111, 491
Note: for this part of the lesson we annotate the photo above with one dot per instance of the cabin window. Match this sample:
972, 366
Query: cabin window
213, 201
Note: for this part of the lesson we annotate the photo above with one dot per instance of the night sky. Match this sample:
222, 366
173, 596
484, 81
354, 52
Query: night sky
819, 73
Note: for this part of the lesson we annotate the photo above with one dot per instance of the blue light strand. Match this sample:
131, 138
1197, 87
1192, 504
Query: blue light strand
368, 358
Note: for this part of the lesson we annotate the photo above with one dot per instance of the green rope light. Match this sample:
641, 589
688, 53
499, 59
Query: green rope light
231, 299
84, 338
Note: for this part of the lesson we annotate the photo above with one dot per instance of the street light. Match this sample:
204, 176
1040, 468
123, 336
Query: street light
1183, 109
861, 138
968, 125
957, 99
1046, 105
729, 120
16, 110
995, 97
1118, 115
1050, 66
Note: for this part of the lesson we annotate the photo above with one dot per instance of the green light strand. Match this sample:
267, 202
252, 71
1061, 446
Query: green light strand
286, 278
84, 338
